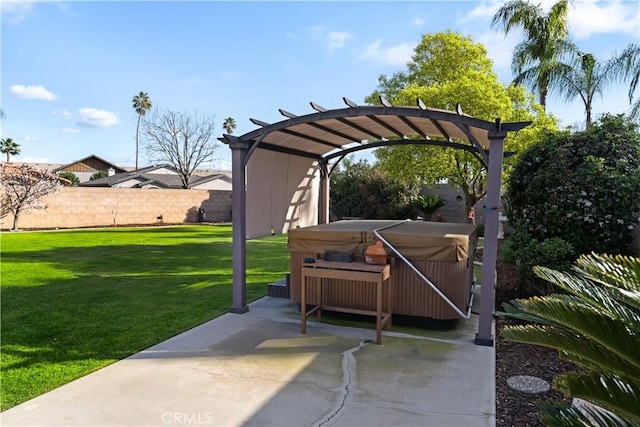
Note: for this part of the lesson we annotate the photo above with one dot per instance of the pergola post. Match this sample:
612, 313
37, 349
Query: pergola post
239, 235
490, 251
324, 192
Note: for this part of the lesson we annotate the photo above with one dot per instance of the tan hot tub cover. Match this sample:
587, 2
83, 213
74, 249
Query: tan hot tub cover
436, 241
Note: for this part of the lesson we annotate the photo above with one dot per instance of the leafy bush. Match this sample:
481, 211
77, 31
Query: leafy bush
583, 188
362, 191
526, 252
70, 177
595, 325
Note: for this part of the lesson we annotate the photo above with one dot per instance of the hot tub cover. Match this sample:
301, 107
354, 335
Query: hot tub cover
437, 241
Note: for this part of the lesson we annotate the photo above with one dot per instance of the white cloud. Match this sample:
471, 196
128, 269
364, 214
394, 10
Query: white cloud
417, 22
588, 18
96, 118
69, 130
333, 39
585, 18
336, 40
14, 12
397, 55
32, 92
29, 138
499, 48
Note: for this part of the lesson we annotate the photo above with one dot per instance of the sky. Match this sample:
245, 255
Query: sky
69, 69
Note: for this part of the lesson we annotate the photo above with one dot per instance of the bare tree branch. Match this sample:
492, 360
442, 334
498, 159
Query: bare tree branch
23, 189
182, 140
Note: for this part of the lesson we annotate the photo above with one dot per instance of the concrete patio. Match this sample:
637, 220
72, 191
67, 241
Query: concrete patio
258, 369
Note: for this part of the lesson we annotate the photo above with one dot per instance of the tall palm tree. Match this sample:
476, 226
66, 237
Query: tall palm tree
595, 325
545, 42
229, 125
584, 77
9, 147
141, 104
630, 69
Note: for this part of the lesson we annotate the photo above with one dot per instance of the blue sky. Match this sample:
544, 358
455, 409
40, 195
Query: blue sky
70, 69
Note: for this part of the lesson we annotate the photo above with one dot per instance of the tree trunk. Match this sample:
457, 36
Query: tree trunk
543, 98
15, 222
137, 132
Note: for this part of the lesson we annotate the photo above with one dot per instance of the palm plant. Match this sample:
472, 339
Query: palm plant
584, 77
229, 125
142, 104
545, 41
596, 326
9, 147
429, 204
630, 60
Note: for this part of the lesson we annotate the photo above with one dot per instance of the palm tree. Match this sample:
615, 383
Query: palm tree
229, 125
584, 78
141, 104
595, 325
630, 69
545, 41
9, 147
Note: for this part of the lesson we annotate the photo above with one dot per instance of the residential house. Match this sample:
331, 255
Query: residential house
87, 167
161, 176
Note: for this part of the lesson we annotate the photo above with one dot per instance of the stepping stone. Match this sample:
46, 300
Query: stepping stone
528, 384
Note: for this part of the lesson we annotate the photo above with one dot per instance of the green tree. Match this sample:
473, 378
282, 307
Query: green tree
98, 175
581, 187
545, 43
449, 69
361, 190
595, 325
585, 77
9, 147
71, 178
229, 125
142, 104
630, 69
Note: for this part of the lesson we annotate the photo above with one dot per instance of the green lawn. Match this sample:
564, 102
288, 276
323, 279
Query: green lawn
75, 301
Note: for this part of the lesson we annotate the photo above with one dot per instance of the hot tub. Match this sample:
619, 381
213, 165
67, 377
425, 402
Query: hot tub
442, 252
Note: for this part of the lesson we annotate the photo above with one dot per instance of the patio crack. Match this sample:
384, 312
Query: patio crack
348, 383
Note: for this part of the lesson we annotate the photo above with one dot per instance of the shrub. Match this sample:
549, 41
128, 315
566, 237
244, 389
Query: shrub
70, 177
362, 191
583, 188
98, 175
428, 204
526, 252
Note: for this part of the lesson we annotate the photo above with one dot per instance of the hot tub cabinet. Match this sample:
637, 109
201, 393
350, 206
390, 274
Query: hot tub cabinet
443, 252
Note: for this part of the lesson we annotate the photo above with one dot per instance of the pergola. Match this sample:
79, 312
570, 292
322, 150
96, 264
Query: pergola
281, 173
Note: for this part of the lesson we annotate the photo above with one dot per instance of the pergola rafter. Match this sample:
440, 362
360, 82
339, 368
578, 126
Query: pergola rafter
314, 139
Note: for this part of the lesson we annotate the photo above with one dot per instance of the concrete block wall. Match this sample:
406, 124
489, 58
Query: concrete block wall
94, 207
454, 210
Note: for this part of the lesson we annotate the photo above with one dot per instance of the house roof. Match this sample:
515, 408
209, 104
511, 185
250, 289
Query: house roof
90, 163
147, 177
